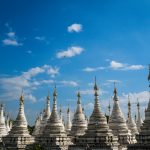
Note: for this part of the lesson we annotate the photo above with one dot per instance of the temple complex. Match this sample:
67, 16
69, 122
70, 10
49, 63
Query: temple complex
143, 139
98, 135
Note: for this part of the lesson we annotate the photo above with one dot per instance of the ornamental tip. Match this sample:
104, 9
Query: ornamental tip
129, 104
149, 73
78, 94
115, 89
48, 96
55, 91
60, 110
95, 85
138, 104
22, 97
68, 110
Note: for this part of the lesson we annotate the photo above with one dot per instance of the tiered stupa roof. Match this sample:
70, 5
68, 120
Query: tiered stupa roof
79, 123
118, 124
130, 121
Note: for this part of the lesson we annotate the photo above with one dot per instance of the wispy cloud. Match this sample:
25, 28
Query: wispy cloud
12, 86
122, 66
29, 52
40, 38
53, 71
75, 28
90, 69
68, 83
112, 81
91, 91
70, 52
11, 39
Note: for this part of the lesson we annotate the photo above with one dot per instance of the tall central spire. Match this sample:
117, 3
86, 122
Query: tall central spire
97, 122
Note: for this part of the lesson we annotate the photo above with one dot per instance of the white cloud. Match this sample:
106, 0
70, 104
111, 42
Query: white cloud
11, 42
134, 67
122, 66
11, 34
89, 106
87, 92
33, 72
112, 81
142, 96
89, 69
30, 97
29, 52
11, 39
11, 87
116, 65
53, 71
40, 38
91, 92
75, 28
70, 52
69, 83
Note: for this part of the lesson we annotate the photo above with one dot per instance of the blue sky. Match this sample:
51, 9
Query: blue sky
69, 43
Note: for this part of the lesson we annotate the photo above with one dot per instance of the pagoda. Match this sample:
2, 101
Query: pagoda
130, 121
143, 139
19, 137
54, 135
79, 123
118, 124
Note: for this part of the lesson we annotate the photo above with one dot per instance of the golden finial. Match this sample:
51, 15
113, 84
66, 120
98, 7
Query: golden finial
95, 85
135, 118
138, 104
55, 92
48, 96
78, 94
149, 73
60, 110
68, 110
129, 104
22, 97
115, 89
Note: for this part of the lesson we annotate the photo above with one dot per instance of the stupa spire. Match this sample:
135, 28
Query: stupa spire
3, 130
139, 118
54, 124
79, 124
130, 122
118, 124
68, 123
47, 110
19, 130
